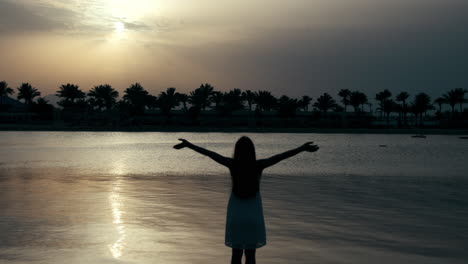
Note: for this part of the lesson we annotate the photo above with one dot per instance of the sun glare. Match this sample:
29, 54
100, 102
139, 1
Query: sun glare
116, 203
119, 27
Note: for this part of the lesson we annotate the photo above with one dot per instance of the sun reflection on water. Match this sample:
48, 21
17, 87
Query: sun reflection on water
116, 203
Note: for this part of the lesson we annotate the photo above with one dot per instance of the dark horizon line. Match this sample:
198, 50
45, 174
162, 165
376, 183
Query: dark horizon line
121, 98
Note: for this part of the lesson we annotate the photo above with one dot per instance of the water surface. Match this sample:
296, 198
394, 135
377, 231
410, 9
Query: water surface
85, 197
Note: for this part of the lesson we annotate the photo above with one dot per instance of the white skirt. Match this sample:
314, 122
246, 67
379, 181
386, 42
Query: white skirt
245, 225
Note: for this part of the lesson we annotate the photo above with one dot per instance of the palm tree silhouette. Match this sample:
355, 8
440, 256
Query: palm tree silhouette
104, 96
183, 98
389, 106
369, 104
325, 102
233, 101
421, 104
27, 93
216, 97
135, 94
168, 100
304, 102
338, 108
136, 97
42, 101
381, 97
345, 95
452, 99
356, 99
402, 97
249, 96
460, 92
69, 93
43, 109
440, 101
200, 97
151, 101
5, 90
265, 101
287, 107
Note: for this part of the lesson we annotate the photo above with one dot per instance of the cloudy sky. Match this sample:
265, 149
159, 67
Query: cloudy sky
293, 47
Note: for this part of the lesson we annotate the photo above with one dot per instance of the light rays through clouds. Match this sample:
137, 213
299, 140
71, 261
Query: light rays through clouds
86, 17
292, 47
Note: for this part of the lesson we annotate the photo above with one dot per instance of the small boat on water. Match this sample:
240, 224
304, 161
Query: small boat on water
419, 136
463, 137
383, 146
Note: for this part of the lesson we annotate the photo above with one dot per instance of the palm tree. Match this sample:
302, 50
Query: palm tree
265, 101
27, 93
338, 108
369, 104
381, 97
104, 96
249, 96
389, 106
325, 102
216, 97
304, 102
151, 101
234, 100
287, 107
136, 97
168, 100
345, 98
42, 101
43, 104
421, 104
183, 98
452, 99
357, 99
460, 92
402, 97
440, 101
69, 93
200, 97
5, 91
43, 109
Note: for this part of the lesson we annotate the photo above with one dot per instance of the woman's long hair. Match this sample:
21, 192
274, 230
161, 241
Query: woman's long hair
245, 176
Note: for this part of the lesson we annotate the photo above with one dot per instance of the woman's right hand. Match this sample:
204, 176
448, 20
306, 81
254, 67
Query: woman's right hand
310, 147
181, 145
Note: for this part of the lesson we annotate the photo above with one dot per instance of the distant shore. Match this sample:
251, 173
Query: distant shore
203, 129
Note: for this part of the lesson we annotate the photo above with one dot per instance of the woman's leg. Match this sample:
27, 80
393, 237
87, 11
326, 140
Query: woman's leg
236, 256
250, 256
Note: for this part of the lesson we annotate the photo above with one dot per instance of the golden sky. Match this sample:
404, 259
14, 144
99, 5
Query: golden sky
291, 47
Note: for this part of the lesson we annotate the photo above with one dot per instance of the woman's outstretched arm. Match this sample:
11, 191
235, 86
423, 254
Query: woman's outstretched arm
215, 156
265, 163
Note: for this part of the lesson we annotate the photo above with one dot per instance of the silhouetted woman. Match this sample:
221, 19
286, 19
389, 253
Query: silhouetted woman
245, 226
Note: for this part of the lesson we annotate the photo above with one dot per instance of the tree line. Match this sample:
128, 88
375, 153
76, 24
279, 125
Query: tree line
136, 100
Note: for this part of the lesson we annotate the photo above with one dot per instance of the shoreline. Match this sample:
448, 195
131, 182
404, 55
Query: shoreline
408, 131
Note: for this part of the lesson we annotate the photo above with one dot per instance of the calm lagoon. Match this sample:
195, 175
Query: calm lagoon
108, 197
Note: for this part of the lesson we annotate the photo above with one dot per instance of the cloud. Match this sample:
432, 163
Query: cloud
17, 18
302, 47
418, 55
62, 17
137, 26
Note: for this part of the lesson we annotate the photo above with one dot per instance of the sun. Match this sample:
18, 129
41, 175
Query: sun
119, 27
